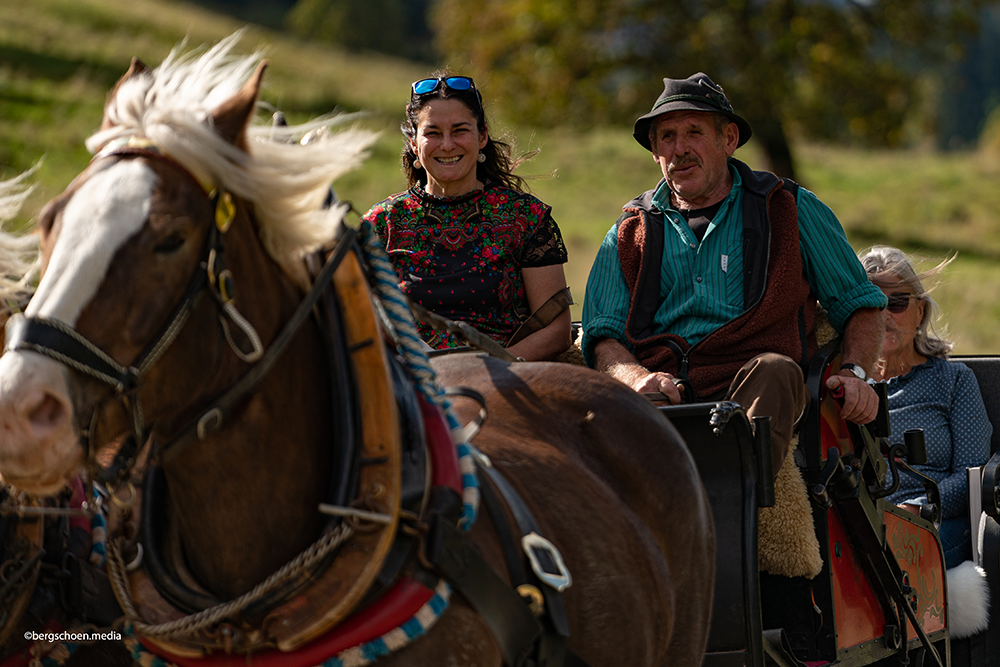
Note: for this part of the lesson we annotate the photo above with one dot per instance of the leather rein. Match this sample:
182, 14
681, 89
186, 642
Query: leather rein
64, 344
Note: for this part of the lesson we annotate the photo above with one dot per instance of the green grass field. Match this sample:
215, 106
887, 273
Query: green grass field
58, 59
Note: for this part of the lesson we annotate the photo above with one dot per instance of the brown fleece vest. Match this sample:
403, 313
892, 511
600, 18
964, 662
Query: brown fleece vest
779, 309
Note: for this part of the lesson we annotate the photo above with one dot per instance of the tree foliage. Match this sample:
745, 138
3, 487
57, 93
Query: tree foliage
830, 69
397, 27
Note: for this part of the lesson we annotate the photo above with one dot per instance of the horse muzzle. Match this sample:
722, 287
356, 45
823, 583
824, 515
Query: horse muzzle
39, 447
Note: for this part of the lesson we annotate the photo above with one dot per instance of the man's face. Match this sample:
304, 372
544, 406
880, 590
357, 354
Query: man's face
692, 155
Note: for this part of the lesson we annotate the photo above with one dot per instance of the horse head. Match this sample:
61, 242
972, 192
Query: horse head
183, 200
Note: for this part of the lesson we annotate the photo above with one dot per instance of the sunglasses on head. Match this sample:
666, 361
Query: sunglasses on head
459, 83
426, 86
900, 301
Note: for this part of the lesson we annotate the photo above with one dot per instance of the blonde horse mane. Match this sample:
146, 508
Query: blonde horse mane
19, 259
285, 180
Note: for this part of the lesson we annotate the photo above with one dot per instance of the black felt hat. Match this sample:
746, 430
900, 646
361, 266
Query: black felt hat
695, 93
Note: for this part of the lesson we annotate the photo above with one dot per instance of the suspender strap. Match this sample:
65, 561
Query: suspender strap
543, 317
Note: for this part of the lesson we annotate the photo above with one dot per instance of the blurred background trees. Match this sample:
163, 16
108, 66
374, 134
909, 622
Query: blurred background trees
834, 70
890, 108
395, 27
840, 70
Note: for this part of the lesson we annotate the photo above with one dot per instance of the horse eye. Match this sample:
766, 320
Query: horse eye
169, 244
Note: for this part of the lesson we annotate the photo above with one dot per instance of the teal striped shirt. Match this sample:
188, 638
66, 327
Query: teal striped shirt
704, 281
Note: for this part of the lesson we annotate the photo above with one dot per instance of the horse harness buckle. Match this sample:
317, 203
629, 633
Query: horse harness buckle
546, 561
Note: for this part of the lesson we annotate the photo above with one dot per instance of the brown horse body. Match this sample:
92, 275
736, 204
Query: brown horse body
610, 482
607, 478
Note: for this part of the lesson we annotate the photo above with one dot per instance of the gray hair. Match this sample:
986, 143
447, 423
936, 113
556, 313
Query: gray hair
884, 262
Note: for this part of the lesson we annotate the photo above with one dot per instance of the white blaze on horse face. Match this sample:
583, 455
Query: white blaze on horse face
39, 447
102, 215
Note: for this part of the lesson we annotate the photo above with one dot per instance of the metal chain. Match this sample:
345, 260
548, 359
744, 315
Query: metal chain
189, 625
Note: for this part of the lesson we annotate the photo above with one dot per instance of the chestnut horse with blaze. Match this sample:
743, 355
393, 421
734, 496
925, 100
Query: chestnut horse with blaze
607, 479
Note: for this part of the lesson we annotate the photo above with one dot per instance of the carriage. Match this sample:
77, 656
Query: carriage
611, 505
881, 594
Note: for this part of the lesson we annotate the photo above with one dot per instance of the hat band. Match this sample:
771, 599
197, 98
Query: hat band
713, 99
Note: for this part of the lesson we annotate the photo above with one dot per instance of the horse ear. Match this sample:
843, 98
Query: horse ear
137, 68
230, 118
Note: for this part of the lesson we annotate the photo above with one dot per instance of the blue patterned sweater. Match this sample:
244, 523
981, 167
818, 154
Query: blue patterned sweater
941, 397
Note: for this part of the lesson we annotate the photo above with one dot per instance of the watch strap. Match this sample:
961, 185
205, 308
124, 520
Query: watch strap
856, 370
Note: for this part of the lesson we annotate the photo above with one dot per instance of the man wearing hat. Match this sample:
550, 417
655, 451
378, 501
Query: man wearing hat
706, 286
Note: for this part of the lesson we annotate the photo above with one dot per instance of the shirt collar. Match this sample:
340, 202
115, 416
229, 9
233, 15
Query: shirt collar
661, 198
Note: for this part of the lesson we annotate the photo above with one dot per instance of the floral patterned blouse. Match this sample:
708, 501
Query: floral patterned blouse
461, 257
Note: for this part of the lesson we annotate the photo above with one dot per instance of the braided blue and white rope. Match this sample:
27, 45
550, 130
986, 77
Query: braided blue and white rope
357, 656
396, 638
98, 533
413, 349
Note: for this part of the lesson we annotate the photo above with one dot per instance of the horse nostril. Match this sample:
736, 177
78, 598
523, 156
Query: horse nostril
47, 415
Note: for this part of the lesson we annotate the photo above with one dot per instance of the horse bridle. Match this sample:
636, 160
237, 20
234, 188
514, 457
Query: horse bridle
61, 342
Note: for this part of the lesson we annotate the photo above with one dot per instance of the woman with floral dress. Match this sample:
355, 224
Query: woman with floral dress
466, 240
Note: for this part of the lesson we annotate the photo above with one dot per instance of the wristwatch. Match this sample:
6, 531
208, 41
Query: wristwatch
856, 370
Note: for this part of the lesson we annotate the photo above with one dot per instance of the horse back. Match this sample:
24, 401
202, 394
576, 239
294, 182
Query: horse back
612, 484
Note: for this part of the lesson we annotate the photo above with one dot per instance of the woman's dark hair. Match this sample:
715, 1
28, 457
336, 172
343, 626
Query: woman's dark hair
499, 165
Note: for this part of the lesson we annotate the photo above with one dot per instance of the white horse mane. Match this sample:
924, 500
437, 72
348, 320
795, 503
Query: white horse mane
19, 259
285, 181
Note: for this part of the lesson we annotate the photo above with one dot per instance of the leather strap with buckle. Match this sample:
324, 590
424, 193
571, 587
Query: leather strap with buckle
544, 316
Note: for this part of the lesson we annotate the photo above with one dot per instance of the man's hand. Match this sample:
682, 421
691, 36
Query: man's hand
860, 403
613, 358
658, 382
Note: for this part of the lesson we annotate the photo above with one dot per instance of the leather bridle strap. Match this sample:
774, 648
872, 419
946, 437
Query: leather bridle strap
58, 341
213, 418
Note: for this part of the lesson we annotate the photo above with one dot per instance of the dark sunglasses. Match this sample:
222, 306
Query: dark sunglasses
900, 301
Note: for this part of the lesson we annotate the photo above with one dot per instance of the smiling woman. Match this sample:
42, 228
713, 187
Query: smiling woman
466, 240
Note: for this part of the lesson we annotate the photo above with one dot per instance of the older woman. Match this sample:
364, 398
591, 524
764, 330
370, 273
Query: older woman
928, 391
466, 240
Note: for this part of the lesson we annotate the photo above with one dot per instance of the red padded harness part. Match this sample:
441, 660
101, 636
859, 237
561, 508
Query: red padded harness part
391, 611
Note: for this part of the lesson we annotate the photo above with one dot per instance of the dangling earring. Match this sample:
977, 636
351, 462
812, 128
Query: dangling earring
481, 158
416, 164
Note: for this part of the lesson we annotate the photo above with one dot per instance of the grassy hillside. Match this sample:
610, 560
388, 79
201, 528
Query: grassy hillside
58, 59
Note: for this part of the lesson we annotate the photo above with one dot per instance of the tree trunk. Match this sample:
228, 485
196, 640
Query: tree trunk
773, 141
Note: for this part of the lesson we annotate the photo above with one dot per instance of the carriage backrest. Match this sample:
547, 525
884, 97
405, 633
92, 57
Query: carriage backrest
987, 370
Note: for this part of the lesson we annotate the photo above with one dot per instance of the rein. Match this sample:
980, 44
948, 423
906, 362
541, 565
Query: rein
213, 418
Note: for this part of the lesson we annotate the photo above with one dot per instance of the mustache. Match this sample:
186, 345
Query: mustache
683, 161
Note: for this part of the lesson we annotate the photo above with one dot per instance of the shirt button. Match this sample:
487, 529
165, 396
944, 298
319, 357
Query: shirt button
698, 278
693, 245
